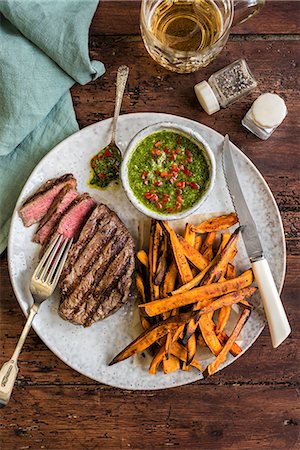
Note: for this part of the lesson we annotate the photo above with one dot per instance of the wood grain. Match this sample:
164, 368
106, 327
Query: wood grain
122, 17
93, 417
254, 402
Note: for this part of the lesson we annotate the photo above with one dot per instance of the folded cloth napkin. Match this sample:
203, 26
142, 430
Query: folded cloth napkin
43, 52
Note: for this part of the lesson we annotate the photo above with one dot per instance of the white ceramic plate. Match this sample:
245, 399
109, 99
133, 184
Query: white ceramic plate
89, 350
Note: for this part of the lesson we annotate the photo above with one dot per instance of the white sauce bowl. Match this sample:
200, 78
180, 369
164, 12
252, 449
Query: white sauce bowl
196, 138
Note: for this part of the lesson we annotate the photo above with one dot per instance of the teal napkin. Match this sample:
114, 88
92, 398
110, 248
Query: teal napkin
43, 52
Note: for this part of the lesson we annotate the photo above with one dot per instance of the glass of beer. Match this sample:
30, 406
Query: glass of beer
184, 35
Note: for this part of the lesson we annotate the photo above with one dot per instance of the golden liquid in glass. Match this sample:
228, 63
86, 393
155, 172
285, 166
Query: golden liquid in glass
185, 25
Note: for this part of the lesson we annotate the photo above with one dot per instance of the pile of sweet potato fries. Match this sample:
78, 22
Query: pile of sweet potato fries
187, 286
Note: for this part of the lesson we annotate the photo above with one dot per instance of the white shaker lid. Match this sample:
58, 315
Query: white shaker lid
206, 97
268, 110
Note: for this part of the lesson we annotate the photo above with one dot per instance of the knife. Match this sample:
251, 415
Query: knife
277, 320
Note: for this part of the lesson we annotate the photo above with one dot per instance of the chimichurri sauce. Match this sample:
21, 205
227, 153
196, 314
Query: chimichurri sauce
105, 167
168, 172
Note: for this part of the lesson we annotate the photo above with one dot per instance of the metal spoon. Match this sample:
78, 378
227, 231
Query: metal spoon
105, 164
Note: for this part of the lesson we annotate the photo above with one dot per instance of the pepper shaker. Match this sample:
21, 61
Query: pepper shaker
225, 86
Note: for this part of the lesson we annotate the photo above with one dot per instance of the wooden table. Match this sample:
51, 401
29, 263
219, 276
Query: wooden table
252, 403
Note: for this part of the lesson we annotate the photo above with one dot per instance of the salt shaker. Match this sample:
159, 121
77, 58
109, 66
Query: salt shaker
265, 115
225, 86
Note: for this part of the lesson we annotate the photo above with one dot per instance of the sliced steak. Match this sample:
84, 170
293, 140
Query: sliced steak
58, 207
102, 262
37, 205
72, 219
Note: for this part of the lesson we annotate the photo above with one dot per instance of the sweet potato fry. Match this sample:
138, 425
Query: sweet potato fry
231, 271
185, 367
189, 235
235, 349
191, 349
143, 258
181, 353
216, 223
168, 344
166, 348
198, 278
151, 335
181, 261
170, 279
225, 310
221, 261
198, 294
157, 359
140, 287
192, 254
224, 239
162, 265
198, 242
194, 282
226, 300
155, 236
155, 248
171, 364
207, 328
145, 322
222, 319
200, 341
213, 367
207, 246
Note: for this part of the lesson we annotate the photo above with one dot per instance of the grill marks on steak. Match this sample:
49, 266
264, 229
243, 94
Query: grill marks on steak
77, 298
112, 296
89, 229
37, 205
73, 218
108, 271
109, 304
88, 256
58, 207
102, 289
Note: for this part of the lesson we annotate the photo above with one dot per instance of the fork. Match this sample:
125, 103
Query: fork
42, 285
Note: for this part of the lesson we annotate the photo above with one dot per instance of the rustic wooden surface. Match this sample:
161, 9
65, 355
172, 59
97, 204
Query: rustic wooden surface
254, 403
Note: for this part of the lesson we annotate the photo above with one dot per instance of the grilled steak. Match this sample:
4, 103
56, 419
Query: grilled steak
88, 231
97, 276
72, 219
37, 205
58, 207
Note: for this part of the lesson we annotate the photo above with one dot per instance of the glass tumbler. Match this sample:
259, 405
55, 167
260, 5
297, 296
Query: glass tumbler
185, 35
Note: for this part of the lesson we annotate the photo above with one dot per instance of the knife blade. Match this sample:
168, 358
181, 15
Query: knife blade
275, 313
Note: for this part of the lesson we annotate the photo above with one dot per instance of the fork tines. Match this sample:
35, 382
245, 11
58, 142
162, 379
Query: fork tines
51, 264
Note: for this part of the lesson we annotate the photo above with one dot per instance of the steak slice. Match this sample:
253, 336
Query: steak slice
58, 207
99, 279
72, 219
37, 205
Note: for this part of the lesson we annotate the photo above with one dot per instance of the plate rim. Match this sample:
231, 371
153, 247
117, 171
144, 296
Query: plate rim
15, 211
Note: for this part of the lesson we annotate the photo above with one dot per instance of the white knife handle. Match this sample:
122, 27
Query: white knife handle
276, 316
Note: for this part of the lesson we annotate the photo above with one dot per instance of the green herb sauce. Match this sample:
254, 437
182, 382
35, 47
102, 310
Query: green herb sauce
168, 172
105, 167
